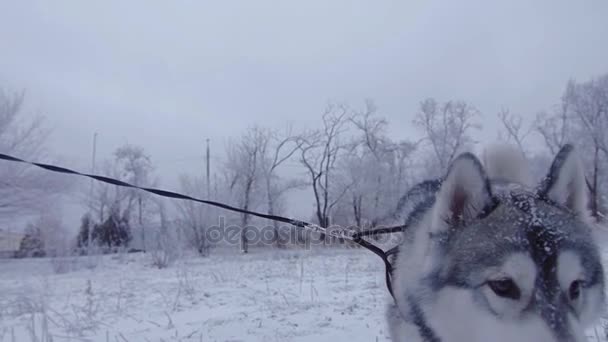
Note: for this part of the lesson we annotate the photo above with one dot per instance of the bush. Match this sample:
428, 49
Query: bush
113, 233
32, 243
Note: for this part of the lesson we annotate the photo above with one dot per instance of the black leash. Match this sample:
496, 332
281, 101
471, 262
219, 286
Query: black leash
342, 233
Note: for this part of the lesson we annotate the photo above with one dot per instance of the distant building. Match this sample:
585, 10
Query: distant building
9, 243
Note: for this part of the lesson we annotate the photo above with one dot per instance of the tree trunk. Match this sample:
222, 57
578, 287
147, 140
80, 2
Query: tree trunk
244, 246
357, 210
245, 219
276, 239
141, 226
244, 242
594, 199
321, 219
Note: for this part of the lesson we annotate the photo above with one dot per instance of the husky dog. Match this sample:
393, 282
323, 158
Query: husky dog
489, 257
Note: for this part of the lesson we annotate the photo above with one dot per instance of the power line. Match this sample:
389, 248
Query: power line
340, 233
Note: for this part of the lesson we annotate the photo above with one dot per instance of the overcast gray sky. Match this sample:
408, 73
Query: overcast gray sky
166, 75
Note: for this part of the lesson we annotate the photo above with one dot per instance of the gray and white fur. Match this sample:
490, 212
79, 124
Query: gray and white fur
491, 258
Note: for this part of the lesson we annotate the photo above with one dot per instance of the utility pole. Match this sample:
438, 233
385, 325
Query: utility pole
90, 235
208, 171
215, 189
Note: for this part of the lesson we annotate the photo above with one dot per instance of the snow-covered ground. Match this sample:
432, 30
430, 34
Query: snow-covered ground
267, 295
320, 295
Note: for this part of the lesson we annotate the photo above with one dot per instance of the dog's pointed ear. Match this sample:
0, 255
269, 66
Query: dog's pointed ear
566, 184
464, 193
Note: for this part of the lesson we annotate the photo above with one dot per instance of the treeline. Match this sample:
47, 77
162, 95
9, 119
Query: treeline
353, 169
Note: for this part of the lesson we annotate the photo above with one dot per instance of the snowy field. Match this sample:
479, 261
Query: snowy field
319, 295
264, 296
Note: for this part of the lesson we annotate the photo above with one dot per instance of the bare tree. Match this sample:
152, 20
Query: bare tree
46, 236
515, 129
133, 165
588, 102
554, 128
194, 216
375, 167
319, 154
244, 174
24, 190
447, 127
275, 150
101, 196
581, 117
166, 247
372, 127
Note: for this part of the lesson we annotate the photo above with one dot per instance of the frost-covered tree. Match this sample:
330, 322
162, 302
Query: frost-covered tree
136, 167
45, 236
582, 118
114, 232
447, 128
133, 165
515, 130
320, 153
85, 231
130, 164
195, 218
376, 170
32, 243
555, 127
588, 104
24, 190
275, 150
243, 175
166, 248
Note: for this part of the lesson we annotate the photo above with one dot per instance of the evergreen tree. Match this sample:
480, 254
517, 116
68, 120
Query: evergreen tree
32, 243
114, 231
86, 224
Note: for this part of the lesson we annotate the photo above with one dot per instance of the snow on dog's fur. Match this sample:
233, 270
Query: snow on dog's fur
490, 258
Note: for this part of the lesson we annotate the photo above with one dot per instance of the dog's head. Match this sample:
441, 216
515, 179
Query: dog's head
505, 262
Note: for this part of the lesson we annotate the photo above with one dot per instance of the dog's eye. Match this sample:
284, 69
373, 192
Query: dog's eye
575, 290
505, 288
